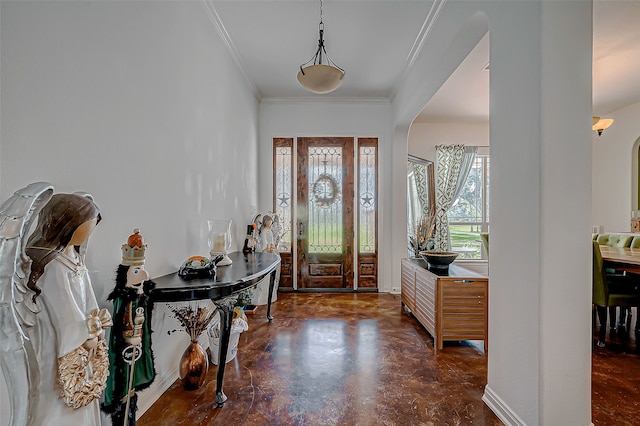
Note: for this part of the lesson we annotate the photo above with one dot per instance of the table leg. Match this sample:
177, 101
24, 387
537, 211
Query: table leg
225, 307
272, 281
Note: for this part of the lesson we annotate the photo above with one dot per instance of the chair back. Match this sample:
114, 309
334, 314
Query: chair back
600, 287
619, 240
635, 242
602, 239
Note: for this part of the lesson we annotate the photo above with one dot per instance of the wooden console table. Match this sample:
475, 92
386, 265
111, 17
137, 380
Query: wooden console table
246, 271
450, 307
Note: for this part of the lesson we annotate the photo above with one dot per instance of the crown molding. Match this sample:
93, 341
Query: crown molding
231, 48
418, 44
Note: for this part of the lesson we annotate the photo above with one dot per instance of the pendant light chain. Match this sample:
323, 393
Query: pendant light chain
321, 24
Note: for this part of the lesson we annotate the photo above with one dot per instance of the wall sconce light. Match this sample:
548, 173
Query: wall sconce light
600, 124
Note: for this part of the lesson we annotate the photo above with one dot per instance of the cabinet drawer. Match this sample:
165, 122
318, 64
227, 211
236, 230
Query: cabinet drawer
469, 289
462, 336
472, 298
465, 310
465, 319
464, 298
471, 301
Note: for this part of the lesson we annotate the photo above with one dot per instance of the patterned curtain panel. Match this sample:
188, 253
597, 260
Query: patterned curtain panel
453, 163
420, 173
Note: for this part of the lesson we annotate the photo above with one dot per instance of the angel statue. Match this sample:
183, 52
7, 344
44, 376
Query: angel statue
268, 236
268, 226
57, 362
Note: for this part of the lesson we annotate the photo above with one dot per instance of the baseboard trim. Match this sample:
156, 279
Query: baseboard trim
149, 396
500, 408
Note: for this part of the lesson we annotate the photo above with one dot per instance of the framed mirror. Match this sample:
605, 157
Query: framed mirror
421, 204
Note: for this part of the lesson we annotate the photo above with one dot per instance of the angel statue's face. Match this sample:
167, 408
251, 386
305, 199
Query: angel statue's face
83, 231
136, 276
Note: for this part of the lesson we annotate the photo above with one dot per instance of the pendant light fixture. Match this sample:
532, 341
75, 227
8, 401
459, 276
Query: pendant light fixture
319, 77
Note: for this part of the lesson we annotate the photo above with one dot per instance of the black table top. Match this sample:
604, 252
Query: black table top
245, 271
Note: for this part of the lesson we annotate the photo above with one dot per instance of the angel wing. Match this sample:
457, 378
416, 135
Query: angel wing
17, 358
276, 226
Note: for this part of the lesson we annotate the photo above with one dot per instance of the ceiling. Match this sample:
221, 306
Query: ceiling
375, 40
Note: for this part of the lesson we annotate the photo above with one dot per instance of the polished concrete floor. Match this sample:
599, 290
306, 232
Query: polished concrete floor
337, 359
615, 386
358, 359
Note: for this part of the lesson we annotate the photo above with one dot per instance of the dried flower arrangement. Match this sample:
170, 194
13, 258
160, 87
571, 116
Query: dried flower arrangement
194, 319
244, 298
420, 236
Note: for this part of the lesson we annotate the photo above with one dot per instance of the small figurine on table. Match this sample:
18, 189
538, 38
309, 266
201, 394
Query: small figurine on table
131, 358
268, 232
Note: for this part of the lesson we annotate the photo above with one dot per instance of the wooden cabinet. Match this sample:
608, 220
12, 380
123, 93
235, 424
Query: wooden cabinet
450, 307
408, 285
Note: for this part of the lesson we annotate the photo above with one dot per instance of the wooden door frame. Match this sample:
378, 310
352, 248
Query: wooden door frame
364, 265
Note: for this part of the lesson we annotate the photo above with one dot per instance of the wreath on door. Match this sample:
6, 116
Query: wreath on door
325, 190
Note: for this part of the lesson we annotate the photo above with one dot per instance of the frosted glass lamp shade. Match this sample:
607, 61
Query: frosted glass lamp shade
600, 124
320, 78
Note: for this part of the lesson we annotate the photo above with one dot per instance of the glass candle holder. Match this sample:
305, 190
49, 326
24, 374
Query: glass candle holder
219, 240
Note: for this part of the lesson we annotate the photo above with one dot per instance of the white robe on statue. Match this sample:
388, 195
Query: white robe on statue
66, 299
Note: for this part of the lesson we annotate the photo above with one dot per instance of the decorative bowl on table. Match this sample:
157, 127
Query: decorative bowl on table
438, 259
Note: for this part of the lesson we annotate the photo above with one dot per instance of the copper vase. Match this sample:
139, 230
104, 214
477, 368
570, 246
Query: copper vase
193, 366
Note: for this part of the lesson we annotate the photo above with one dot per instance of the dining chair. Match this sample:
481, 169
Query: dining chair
635, 242
610, 291
484, 237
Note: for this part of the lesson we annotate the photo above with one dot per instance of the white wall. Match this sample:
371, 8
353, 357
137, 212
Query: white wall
140, 104
539, 347
323, 117
614, 162
423, 137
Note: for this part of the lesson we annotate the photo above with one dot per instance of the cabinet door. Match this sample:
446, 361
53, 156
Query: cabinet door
463, 310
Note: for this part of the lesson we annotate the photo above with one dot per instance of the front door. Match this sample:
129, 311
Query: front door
325, 221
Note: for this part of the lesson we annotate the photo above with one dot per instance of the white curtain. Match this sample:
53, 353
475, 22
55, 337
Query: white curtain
453, 163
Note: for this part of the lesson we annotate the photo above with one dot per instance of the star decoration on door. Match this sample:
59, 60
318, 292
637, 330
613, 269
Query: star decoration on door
366, 199
284, 200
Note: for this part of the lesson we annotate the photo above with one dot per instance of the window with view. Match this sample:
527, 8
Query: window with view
469, 214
